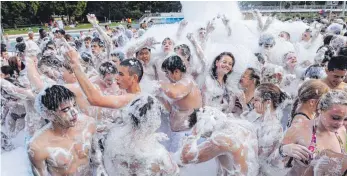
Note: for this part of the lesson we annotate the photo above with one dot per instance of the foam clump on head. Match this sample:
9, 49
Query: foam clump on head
333, 97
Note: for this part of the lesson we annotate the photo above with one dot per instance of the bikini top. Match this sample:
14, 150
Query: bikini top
313, 146
299, 113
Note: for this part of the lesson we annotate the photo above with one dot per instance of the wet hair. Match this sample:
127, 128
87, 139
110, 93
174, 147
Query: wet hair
107, 68
311, 89
138, 52
55, 95
185, 50
20, 46
67, 36
167, 38
61, 31
50, 61
333, 97
328, 53
98, 41
88, 39
269, 91
3, 48
141, 115
86, 57
50, 42
254, 75
343, 51
327, 39
287, 33
193, 118
19, 39
135, 67
315, 71
345, 34
120, 55
78, 44
41, 30
214, 66
7, 70
337, 63
172, 63
12, 62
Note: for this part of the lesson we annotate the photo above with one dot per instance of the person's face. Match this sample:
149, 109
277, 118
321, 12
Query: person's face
67, 113
68, 76
31, 35
109, 79
284, 36
87, 43
202, 33
50, 50
19, 62
334, 118
124, 79
335, 77
5, 55
144, 55
225, 65
115, 60
95, 48
59, 35
173, 76
246, 79
306, 36
179, 52
167, 46
44, 34
291, 61
259, 104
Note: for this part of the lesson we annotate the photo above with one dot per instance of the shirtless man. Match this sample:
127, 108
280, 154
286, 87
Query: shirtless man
182, 97
336, 72
62, 146
227, 140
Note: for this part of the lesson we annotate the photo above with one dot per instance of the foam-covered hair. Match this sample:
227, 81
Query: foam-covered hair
333, 97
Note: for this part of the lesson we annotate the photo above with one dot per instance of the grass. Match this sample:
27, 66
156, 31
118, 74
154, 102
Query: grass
35, 29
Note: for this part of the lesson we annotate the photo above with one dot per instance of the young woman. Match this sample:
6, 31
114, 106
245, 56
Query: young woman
305, 105
305, 140
214, 89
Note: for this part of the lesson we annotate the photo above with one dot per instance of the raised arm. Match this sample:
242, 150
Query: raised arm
95, 96
16, 91
198, 50
257, 15
268, 22
149, 42
33, 75
181, 27
108, 41
226, 24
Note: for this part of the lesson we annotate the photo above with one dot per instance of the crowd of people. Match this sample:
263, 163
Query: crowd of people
109, 103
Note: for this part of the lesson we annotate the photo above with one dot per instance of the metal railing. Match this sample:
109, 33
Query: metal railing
297, 7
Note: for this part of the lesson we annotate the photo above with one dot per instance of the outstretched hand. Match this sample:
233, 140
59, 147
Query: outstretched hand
73, 57
225, 20
92, 19
190, 37
149, 42
183, 23
210, 26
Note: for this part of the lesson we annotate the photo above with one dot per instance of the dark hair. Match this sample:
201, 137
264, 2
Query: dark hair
167, 38
214, 67
337, 63
135, 67
7, 70
120, 55
185, 50
107, 68
172, 63
327, 39
56, 95
269, 91
88, 39
255, 75
78, 44
311, 89
193, 118
61, 31
313, 72
19, 39
3, 48
98, 41
20, 47
343, 51
86, 57
50, 61
12, 62
138, 52
41, 30
345, 34
142, 112
67, 36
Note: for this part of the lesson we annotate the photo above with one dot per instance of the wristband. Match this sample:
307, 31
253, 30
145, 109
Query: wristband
280, 150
